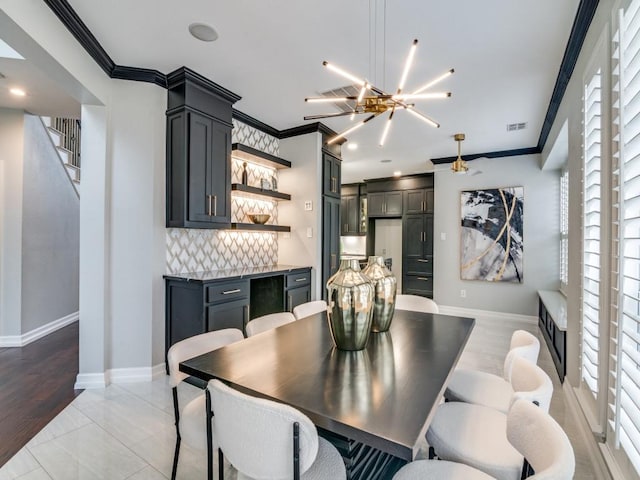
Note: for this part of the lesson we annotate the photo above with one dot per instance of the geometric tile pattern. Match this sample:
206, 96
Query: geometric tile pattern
192, 250
241, 207
255, 173
243, 133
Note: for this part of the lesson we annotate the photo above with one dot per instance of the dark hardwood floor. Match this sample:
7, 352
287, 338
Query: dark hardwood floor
36, 383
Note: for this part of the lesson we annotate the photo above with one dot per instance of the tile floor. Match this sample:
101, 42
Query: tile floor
126, 431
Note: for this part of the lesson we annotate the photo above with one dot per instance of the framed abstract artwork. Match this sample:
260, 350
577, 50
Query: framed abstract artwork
491, 236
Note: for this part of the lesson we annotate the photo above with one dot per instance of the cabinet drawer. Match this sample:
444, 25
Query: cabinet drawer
417, 266
298, 279
225, 292
418, 283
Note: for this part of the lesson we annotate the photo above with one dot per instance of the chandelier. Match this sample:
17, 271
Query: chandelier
375, 101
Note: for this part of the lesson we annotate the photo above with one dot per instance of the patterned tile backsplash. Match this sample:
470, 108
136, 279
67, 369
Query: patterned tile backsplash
193, 250
243, 133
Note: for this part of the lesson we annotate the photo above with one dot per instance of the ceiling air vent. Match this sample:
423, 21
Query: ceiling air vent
512, 127
346, 91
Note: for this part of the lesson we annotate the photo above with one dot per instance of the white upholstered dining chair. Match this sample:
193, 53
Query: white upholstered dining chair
539, 438
270, 440
268, 322
439, 470
482, 388
531, 431
307, 309
191, 420
476, 435
416, 303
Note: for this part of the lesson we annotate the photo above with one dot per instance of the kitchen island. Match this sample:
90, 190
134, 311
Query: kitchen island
198, 302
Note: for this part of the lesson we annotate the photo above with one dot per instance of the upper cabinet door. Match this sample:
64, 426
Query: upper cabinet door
331, 175
418, 201
209, 147
393, 201
375, 204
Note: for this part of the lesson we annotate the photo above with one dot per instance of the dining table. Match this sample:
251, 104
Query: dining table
374, 405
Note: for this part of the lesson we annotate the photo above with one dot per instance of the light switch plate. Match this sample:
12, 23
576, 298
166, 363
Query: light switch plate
309, 232
308, 205
443, 236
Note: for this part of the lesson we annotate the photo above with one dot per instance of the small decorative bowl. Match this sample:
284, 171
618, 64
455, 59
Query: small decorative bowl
259, 218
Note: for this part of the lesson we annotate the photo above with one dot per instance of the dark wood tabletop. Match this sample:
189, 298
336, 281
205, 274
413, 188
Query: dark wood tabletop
382, 396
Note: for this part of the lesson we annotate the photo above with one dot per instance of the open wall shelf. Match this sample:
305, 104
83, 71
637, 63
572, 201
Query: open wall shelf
250, 154
255, 227
242, 190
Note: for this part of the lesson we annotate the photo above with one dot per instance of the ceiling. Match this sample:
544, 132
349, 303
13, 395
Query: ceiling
506, 55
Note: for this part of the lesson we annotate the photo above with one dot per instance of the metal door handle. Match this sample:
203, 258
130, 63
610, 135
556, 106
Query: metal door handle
229, 292
424, 279
209, 210
301, 279
423, 261
333, 260
215, 205
346, 227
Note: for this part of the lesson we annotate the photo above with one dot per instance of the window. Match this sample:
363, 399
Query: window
623, 436
564, 230
591, 232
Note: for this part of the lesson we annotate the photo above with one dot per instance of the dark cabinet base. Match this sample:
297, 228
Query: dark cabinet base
195, 307
555, 339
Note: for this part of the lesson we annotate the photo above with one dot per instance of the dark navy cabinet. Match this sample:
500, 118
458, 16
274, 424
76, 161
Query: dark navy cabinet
198, 152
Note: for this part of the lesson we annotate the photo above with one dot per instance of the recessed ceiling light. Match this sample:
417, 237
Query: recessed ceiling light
386, 160
203, 32
18, 92
352, 146
397, 173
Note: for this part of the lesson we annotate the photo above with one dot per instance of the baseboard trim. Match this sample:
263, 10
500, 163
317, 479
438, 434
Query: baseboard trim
119, 375
86, 381
472, 312
38, 333
600, 467
157, 371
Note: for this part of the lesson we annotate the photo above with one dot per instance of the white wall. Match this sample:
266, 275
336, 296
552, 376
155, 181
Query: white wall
541, 235
137, 134
302, 181
11, 172
122, 198
50, 233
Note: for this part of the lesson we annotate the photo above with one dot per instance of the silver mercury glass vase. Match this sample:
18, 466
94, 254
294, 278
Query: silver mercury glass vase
385, 285
350, 299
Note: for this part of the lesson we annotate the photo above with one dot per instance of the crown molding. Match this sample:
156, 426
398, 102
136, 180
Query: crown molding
183, 74
68, 16
581, 23
255, 123
136, 74
82, 34
502, 153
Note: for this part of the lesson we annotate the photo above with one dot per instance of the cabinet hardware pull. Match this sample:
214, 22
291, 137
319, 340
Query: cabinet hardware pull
423, 261
229, 292
209, 210
346, 227
333, 260
215, 205
424, 279
422, 206
301, 279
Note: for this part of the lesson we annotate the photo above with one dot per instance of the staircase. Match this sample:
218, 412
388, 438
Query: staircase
65, 137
